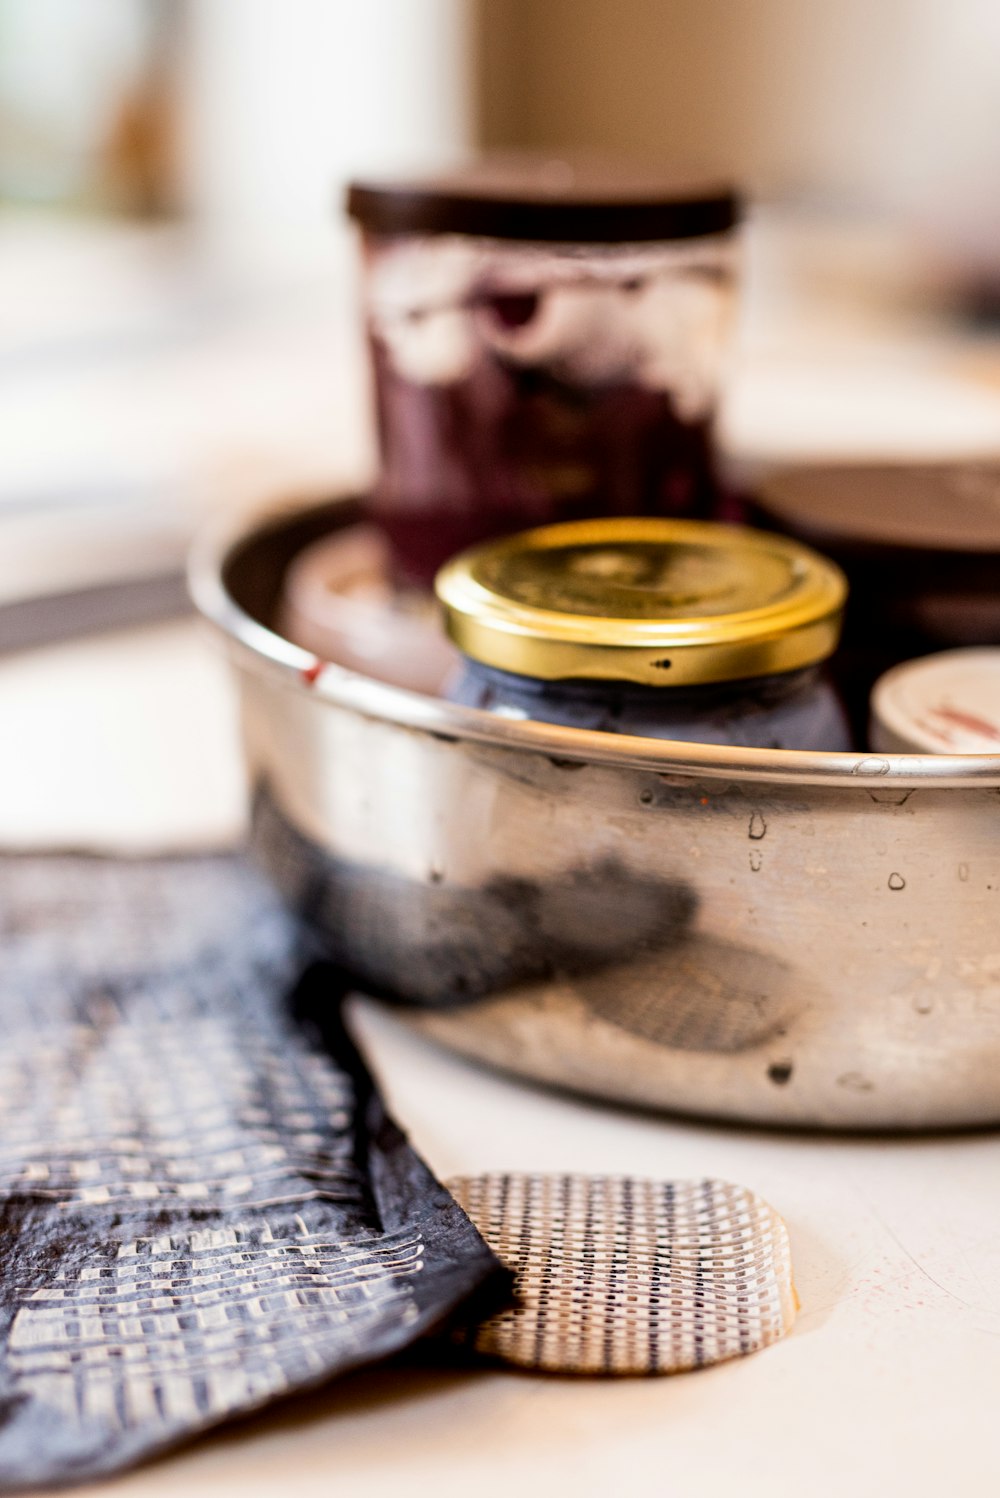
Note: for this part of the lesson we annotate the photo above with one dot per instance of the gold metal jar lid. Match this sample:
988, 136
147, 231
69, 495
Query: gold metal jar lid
662, 602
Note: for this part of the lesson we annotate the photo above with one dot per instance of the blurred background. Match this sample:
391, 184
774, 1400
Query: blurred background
179, 331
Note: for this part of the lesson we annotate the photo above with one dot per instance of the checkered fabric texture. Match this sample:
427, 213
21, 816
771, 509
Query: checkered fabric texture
734, 1003
203, 1204
621, 1276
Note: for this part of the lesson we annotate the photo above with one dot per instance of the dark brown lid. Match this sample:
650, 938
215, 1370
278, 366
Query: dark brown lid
587, 201
944, 507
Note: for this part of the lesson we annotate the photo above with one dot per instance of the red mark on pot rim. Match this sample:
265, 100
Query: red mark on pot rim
311, 674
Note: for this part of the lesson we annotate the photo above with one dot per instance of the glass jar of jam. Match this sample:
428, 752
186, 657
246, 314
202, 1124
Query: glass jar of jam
548, 342
662, 628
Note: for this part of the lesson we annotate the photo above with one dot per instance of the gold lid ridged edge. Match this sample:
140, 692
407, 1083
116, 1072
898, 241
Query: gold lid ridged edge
550, 645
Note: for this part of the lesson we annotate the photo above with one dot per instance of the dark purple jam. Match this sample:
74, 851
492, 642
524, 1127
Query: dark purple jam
509, 446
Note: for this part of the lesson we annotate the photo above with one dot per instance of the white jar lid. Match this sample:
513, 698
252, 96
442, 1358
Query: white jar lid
338, 603
948, 703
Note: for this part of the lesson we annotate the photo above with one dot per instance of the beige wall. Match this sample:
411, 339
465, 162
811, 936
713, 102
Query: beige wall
857, 100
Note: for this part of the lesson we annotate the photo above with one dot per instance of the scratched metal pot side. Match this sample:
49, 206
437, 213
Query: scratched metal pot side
750, 934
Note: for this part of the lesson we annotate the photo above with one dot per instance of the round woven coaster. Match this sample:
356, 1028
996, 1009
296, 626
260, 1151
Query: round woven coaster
621, 1276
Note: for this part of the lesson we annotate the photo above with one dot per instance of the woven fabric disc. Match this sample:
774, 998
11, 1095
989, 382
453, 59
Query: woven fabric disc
622, 1276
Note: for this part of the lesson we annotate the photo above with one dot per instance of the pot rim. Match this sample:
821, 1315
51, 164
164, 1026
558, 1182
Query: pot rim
300, 670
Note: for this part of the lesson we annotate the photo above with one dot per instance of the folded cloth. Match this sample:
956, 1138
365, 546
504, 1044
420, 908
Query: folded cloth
203, 1204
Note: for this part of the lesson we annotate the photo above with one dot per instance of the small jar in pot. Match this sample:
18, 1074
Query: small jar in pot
660, 628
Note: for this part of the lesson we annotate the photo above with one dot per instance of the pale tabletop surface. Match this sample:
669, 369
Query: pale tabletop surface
888, 1382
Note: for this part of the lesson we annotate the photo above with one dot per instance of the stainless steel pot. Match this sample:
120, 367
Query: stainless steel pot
808, 939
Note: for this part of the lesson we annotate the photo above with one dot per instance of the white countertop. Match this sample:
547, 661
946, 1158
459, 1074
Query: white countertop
888, 1382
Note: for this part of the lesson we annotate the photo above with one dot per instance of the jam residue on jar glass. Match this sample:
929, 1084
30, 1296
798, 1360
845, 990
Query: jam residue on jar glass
548, 343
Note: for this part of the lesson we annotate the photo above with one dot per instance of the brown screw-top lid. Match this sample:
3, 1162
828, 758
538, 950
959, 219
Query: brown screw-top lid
583, 200
928, 507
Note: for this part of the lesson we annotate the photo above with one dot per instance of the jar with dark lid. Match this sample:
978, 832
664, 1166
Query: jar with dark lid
661, 628
548, 342
920, 544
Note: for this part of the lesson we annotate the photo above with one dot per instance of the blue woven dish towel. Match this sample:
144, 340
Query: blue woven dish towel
203, 1204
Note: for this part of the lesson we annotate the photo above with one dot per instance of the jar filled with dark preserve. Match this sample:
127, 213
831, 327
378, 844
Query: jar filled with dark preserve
661, 628
548, 341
